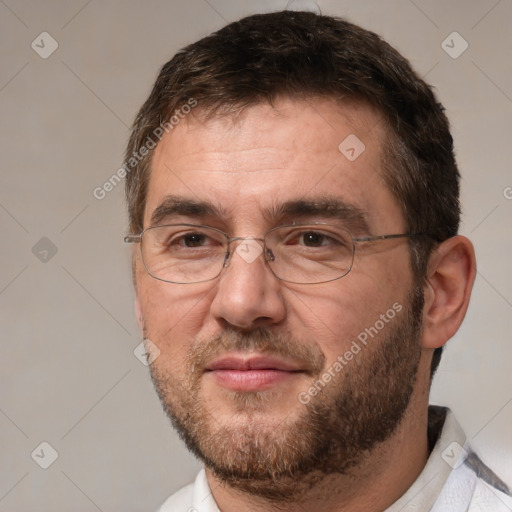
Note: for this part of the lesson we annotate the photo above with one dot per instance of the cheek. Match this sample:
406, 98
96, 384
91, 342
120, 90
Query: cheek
172, 316
365, 301
332, 316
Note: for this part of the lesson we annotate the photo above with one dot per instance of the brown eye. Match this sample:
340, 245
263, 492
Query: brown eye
194, 240
312, 239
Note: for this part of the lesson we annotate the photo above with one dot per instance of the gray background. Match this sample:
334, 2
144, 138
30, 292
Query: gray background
68, 373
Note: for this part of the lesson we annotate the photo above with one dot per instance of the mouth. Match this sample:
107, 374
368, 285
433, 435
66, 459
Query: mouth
243, 372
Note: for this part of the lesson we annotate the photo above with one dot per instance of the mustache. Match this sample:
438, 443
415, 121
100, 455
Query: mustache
260, 340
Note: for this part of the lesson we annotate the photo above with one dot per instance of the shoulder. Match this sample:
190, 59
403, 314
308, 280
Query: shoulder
490, 492
488, 498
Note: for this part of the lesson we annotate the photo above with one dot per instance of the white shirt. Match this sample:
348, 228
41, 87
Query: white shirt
453, 480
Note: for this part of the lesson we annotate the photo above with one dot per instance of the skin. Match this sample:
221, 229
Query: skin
271, 155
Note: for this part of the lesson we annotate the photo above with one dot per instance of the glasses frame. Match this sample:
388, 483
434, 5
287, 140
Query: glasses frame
132, 238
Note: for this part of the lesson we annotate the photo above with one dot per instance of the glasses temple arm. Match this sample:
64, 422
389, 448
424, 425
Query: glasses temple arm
132, 239
386, 237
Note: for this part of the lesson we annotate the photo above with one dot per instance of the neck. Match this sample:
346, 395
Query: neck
373, 485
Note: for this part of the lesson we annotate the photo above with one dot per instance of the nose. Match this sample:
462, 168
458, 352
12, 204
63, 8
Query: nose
248, 295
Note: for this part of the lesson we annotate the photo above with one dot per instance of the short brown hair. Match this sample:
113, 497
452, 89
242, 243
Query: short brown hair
301, 54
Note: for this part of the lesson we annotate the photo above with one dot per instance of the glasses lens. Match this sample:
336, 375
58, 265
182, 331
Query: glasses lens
183, 253
308, 254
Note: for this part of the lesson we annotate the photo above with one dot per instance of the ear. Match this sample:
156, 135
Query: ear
138, 312
450, 277
138, 305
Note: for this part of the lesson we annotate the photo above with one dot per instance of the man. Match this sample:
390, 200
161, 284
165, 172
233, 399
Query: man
293, 198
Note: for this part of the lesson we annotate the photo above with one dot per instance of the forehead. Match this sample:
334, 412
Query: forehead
270, 155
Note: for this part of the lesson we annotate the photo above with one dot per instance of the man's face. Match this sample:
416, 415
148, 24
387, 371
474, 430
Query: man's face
247, 367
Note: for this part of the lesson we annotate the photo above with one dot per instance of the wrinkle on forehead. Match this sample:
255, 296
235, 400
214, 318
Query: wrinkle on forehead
237, 141
288, 152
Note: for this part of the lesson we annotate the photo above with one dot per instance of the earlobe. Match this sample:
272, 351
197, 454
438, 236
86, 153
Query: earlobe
450, 277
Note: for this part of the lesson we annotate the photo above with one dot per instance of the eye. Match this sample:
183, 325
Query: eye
315, 239
194, 240
310, 239
198, 239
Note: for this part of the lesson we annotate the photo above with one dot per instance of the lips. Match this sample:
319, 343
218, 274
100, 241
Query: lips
251, 372
248, 363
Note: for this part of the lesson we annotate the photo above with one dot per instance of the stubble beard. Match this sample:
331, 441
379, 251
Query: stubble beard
359, 409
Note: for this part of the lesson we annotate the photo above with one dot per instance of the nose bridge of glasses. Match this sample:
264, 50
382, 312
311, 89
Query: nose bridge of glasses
242, 238
247, 247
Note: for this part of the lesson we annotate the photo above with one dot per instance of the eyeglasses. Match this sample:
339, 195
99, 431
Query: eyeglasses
299, 253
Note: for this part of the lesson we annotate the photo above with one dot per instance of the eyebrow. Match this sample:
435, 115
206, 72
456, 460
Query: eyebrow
174, 205
324, 207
